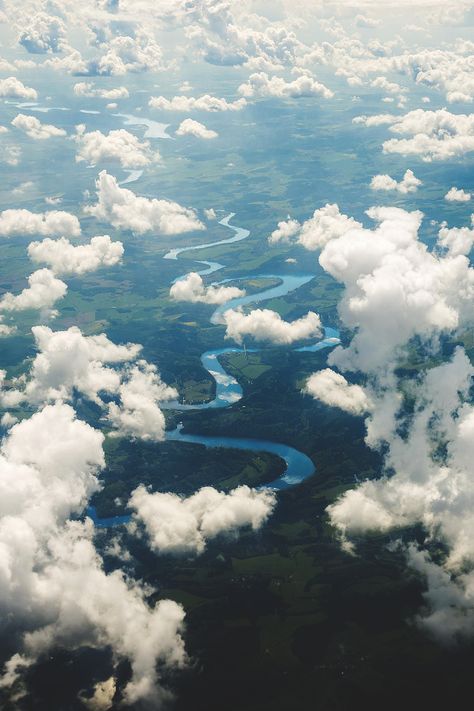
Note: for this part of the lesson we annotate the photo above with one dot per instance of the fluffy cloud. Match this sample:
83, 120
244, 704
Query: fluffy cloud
377, 120
449, 70
261, 85
175, 524
433, 135
267, 325
122, 47
334, 390
35, 129
189, 127
47, 224
388, 86
70, 63
13, 88
457, 240
394, 287
408, 184
52, 580
285, 231
457, 195
448, 609
190, 103
68, 362
418, 487
43, 290
224, 39
191, 288
397, 290
326, 223
88, 90
45, 33
118, 146
64, 258
125, 210
138, 415
125, 53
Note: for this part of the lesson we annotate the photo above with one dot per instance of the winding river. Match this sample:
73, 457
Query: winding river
228, 390
298, 466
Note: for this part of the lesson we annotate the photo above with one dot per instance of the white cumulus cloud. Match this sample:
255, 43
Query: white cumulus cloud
457, 195
44, 33
175, 524
408, 184
397, 292
333, 389
48, 224
52, 580
326, 223
138, 414
191, 288
125, 210
64, 258
42, 292
457, 240
394, 287
267, 325
13, 88
189, 127
67, 362
190, 103
35, 129
88, 90
261, 85
118, 146
432, 135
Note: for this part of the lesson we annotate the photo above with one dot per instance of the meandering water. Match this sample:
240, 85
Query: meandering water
240, 234
154, 129
298, 466
228, 390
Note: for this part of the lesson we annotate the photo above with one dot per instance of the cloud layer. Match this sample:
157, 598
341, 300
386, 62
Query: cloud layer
396, 293
52, 580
